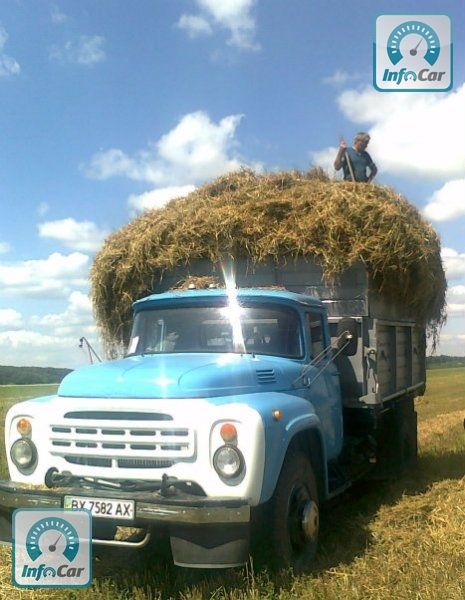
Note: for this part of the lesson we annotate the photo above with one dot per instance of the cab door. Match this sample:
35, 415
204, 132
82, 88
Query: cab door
322, 385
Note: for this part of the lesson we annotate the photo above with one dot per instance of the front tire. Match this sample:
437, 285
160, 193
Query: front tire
294, 515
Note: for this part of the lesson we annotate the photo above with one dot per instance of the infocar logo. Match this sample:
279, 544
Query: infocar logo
412, 53
51, 548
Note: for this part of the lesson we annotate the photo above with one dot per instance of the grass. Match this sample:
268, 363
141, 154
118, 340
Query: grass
404, 539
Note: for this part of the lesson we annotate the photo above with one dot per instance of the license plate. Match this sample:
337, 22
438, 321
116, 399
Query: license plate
102, 507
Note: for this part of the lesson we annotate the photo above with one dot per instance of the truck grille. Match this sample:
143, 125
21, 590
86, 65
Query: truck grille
123, 463
121, 440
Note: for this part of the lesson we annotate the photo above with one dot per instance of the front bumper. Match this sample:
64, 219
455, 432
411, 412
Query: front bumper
203, 531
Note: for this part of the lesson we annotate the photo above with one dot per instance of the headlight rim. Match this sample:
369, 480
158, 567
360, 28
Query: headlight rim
232, 478
26, 470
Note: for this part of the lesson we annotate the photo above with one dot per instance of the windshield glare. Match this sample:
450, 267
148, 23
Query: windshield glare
273, 330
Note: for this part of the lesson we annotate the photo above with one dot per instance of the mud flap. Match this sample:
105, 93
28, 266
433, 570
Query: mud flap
210, 547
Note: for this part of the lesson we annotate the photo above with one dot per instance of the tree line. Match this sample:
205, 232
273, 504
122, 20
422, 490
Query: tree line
444, 361
31, 375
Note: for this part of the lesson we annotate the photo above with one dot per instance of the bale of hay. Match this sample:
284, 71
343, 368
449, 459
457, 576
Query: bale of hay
278, 216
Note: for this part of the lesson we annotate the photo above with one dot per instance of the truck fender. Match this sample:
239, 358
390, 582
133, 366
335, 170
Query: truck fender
301, 433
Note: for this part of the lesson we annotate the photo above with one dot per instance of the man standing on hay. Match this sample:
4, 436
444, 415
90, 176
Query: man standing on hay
356, 161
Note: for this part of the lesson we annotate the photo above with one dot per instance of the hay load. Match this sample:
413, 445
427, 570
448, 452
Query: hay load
280, 217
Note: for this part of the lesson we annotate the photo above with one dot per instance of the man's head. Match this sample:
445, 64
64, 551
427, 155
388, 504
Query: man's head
361, 141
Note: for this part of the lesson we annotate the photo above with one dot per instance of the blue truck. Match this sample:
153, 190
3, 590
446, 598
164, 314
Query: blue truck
234, 414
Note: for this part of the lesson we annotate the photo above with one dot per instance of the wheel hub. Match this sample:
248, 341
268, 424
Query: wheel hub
310, 520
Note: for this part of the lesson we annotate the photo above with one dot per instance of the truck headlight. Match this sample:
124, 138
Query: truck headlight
24, 454
228, 462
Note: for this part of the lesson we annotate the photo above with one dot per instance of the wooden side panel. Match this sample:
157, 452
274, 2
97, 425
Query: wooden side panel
386, 359
404, 357
400, 359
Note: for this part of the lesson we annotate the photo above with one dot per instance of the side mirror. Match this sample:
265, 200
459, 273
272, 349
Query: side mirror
347, 336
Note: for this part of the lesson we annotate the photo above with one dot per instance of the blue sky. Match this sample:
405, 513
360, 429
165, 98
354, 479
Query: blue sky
109, 108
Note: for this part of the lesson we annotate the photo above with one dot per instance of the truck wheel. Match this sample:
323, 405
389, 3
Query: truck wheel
295, 515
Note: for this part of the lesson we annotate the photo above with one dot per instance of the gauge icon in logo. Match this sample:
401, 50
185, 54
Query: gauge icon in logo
39, 538
424, 41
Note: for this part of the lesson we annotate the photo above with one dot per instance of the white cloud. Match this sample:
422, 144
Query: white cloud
456, 301
448, 202
10, 319
15, 339
456, 293
454, 263
8, 65
87, 51
340, 77
84, 236
194, 25
233, 15
411, 134
79, 307
454, 309
51, 339
325, 158
76, 320
452, 344
58, 16
30, 348
52, 277
195, 150
43, 209
199, 146
4, 247
158, 198
144, 166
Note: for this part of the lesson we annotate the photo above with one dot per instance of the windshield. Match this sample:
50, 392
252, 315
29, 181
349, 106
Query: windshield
257, 329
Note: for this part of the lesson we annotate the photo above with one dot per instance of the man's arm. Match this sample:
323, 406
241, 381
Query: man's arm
373, 170
340, 158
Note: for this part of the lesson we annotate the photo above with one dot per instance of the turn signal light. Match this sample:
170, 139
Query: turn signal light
228, 432
24, 427
277, 415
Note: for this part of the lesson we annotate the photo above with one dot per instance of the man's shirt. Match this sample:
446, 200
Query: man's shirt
360, 162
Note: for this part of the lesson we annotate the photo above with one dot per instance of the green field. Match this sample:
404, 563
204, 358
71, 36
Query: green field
15, 393
402, 540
